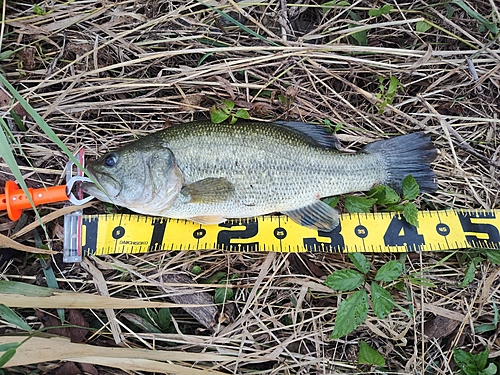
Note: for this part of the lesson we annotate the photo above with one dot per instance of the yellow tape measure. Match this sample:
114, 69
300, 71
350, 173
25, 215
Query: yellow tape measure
371, 232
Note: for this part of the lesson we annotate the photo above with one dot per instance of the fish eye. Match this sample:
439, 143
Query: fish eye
110, 160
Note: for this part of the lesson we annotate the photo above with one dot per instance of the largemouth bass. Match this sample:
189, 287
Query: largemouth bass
208, 172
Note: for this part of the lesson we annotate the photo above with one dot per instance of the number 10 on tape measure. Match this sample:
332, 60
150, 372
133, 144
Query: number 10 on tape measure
363, 232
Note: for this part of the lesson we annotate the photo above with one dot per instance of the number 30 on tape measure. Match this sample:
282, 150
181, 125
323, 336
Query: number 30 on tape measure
371, 232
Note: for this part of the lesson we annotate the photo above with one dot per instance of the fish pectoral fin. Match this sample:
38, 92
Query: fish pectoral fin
208, 219
317, 215
208, 190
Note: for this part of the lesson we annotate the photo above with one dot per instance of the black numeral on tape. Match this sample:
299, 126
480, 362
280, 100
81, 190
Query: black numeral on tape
401, 233
159, 225
335, 245
484, 228
91, 239
225, 236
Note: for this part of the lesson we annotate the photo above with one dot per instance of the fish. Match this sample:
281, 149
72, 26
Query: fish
209, 173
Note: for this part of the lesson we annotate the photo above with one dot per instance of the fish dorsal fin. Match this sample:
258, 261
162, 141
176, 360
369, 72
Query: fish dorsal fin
317, 215
208, 190
315, 134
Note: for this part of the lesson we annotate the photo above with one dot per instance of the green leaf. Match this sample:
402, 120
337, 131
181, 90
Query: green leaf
38, 10
471, 364
386, 9
332, 201
389, 271
491, 326
196, 270
351, 313
144, 323
422, 27
242, 113
228, 104
485, 328
360, 262
400, 285
284, 100
493, 255
9, 345
6, 54
344, 280
18, 121
469, 275
421, 281
358, 38
7, 356
325, 7
471, 272
369, 356
394, 85
387, 96
30, 290
163, 319
490, 370
382, 301
222, 295
12, 318
359, 204
449, 10
492, 27
381, 86
410, 187
215, 278
384, 194
394, 208
410, 213
217, 115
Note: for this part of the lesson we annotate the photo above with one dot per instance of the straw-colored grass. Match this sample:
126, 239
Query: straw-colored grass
103, 73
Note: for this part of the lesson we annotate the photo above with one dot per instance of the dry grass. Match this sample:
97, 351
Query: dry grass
103, 73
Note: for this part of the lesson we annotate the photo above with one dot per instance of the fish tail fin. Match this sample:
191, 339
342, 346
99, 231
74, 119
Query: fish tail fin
405, 155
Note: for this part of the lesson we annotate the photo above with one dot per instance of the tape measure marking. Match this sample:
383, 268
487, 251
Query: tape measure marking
370, 232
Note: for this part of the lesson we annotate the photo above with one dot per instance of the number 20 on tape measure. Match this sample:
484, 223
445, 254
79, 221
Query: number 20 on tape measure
371, 232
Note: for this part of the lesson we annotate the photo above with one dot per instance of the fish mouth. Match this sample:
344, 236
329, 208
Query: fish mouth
106, 190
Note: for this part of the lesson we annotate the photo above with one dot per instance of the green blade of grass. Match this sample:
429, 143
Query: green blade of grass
478, 17
50, 276
240, 25
40, 121
6, 146
10, 160
12, 318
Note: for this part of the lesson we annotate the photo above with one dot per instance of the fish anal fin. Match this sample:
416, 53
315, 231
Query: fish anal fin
208, 190
317, 215
208, 219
